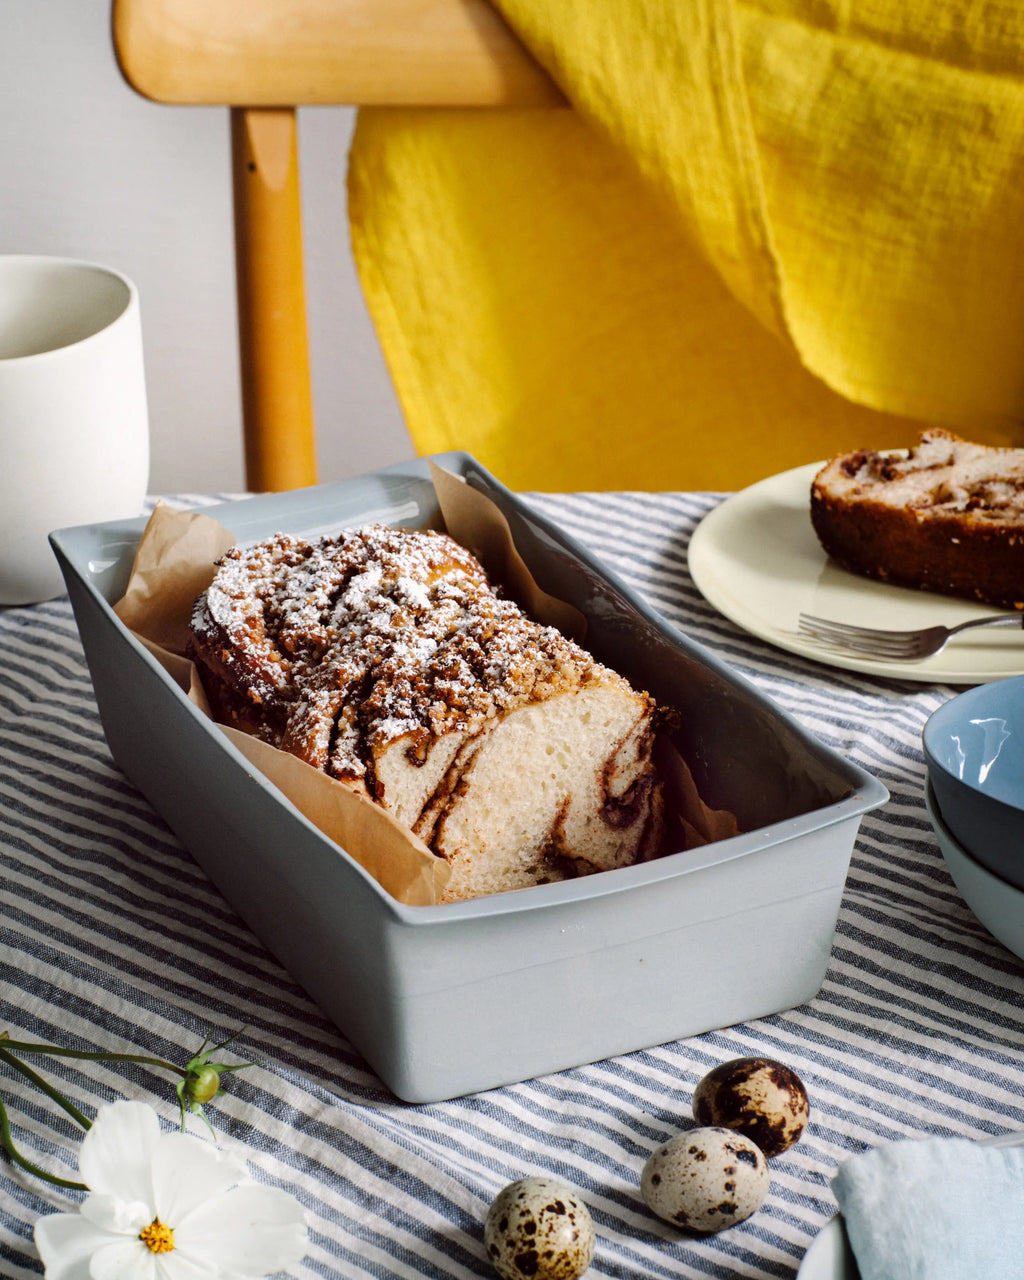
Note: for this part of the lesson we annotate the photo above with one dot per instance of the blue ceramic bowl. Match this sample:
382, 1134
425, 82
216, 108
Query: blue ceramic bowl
998, 905
974, 749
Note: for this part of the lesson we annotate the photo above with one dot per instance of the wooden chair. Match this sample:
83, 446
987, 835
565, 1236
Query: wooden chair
263, 59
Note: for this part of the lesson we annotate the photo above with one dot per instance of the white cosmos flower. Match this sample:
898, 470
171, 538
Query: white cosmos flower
167, 1206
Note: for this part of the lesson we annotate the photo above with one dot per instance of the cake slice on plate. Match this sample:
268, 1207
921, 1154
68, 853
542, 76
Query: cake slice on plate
945, 516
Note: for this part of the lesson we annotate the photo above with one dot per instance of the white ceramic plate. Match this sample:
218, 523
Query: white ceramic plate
830, 1256
756, 558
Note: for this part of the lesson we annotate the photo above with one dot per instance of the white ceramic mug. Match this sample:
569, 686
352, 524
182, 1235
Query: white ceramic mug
74, 427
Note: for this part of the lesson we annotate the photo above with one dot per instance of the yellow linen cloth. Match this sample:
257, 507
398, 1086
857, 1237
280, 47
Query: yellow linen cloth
763, 233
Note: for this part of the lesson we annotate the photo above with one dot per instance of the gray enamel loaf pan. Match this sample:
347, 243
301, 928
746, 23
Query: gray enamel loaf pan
448, 1000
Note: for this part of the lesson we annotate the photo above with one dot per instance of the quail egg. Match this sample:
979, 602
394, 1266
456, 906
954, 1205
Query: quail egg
539, 1227
764, 1100
705, 1180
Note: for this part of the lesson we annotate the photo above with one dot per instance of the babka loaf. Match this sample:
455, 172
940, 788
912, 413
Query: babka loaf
384, 657
945, 516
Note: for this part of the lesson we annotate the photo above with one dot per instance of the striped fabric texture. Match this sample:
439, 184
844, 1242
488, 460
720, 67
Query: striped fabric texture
112, 939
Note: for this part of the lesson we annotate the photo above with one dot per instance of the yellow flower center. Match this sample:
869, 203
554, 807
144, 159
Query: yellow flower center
157, 1238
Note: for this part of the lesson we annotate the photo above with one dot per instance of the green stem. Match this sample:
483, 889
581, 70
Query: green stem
40, 1083
20, 1046
8, 1049
8, 1144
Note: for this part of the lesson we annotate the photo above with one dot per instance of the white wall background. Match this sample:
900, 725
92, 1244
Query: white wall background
88, 169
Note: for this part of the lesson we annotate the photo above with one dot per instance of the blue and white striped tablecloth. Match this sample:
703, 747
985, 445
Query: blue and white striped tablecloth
111, 938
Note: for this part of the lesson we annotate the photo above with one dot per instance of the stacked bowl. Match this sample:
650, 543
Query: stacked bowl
974, 750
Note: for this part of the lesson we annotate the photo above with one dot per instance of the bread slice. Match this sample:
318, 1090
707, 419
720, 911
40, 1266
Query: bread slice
384, 657
945, 516
549, 791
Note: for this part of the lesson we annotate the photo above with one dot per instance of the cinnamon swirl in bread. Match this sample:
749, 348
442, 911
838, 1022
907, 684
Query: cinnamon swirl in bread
945, 516
385, 658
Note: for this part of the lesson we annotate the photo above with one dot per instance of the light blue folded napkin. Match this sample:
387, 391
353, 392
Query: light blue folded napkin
935, 1208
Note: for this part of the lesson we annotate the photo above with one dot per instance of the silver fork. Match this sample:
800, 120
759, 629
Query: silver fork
895, 646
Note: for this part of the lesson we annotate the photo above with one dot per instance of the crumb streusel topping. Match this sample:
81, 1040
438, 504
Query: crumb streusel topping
374, 635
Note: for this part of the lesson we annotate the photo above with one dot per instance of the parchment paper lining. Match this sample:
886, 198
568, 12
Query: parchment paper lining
175, 562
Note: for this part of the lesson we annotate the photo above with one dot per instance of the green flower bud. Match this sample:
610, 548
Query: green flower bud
202, 1084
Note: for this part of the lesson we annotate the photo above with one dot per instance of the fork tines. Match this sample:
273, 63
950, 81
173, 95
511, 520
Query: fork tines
874, 643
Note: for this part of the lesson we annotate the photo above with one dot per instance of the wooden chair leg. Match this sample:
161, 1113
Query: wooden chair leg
277, 402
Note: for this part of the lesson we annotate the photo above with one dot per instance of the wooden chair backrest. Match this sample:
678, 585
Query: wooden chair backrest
263, 59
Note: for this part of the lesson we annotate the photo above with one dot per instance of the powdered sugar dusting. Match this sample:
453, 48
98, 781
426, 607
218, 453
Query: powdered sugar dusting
351, 643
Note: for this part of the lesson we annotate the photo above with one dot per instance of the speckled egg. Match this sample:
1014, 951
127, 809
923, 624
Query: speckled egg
705, 1180
539, 1227
764, 1100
